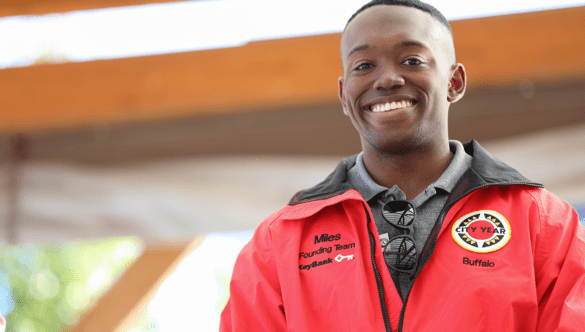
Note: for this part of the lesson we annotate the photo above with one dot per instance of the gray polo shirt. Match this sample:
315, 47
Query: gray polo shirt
428, 204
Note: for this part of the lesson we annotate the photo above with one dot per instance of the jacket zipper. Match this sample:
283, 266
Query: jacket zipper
377, 273
440, 220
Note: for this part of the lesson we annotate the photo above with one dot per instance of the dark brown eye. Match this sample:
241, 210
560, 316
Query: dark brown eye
412, 62
363, 66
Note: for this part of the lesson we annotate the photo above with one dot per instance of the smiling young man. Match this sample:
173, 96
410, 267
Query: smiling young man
416, 232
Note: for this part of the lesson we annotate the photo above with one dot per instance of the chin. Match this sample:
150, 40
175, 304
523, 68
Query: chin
395, 145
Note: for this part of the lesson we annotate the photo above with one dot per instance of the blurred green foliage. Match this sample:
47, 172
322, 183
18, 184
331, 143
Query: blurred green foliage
53, 285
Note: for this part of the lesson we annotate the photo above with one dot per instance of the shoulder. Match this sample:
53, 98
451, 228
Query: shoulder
334, 184
551, 206
547, 206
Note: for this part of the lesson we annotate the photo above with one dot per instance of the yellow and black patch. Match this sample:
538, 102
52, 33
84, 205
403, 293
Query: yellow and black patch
482, 231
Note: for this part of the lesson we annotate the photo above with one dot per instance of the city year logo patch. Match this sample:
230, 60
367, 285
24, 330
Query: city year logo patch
482, 231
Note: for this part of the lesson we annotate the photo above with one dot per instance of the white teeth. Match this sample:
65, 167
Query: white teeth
391, 106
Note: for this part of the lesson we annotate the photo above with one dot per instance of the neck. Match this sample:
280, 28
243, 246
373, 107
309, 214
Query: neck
412, 171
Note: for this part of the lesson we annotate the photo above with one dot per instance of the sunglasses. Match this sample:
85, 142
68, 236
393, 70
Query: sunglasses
400, 251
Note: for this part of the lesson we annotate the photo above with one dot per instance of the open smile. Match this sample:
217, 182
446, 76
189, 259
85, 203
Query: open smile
390, 106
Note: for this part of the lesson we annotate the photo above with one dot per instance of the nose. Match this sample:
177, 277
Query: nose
389, 78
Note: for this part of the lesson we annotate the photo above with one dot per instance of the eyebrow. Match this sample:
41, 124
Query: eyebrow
360, 48
409, 43
406, 43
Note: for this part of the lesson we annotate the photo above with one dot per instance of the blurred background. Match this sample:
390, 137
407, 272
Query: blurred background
142, 141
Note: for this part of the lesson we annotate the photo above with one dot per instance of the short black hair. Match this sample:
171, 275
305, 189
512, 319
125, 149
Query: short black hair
425, 7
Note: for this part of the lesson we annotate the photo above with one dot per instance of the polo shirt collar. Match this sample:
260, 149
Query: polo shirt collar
368, 188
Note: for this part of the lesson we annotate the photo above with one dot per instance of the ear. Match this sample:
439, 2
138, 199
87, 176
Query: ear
457, 84
340, 95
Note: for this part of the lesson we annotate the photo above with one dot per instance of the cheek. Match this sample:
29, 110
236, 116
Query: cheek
429, 83
355, 88
437, 91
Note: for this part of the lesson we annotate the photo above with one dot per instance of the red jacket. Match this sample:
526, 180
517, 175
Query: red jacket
505, 255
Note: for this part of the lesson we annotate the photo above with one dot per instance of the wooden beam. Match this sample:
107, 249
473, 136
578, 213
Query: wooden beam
263, 74
274, 74
126, 301
542, 46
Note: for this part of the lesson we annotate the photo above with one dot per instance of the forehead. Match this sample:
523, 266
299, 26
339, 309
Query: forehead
386, 23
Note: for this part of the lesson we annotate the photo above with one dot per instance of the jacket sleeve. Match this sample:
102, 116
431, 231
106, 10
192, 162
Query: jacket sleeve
255, 302
560, 266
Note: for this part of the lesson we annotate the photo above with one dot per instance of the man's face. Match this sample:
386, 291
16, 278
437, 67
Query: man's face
399, 78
